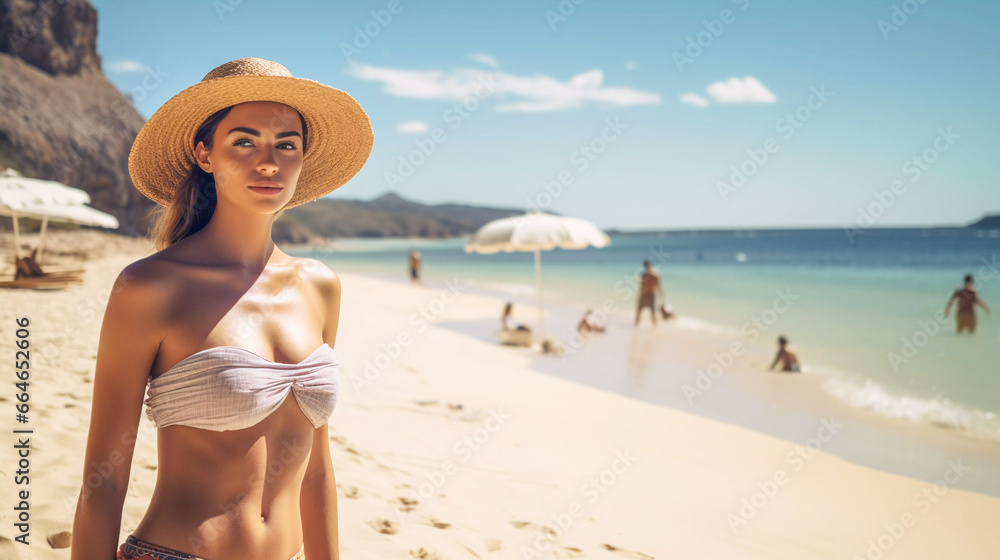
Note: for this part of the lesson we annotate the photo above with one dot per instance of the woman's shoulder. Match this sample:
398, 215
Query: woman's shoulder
155, 269
317, 274
152, 281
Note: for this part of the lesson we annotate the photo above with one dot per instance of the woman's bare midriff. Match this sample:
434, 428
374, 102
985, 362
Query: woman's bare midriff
234, 495
231, 495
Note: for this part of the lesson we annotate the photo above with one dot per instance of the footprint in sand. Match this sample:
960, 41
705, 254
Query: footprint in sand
359, 454
439, 524
409, 504
385, 526
532, 526
568, 552
425, 403
424, 554
350, 492
455, 406
61, 539
627, 553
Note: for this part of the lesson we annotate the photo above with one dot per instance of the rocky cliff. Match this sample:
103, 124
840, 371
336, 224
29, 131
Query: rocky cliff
60, 118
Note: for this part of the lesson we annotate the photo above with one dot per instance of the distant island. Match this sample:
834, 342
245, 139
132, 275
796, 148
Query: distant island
987, 222
389, 215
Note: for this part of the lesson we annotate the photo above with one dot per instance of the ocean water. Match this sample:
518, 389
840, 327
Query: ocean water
862, 312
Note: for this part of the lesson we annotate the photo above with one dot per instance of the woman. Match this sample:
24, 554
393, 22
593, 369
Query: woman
233, 337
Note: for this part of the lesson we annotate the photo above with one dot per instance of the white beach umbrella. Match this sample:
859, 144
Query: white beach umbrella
45, 200
536, 232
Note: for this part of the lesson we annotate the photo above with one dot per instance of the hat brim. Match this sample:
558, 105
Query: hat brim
340, 135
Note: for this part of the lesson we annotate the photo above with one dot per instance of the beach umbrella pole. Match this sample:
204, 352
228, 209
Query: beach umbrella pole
17, 238
41, 239
538, 287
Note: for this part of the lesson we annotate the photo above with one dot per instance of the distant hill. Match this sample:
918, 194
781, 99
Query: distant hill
389, 215
988, 222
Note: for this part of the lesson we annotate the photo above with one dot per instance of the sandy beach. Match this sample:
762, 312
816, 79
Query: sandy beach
447, 446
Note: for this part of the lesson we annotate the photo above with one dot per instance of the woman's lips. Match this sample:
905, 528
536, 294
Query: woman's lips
266, 190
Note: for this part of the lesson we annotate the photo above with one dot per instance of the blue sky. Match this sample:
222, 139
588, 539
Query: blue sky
658, 114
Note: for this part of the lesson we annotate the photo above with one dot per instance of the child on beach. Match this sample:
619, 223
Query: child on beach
789, 361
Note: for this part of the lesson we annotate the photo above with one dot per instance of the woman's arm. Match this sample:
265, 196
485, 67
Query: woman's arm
129, 339
318, 501
951, 300
982, 303
318, 497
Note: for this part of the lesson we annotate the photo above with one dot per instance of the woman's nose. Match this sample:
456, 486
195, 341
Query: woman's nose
267, 165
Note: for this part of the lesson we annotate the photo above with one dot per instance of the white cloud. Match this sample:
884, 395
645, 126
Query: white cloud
485, 59
413, 127
631, 65
125, 66
734, 90
533, 93
694, 99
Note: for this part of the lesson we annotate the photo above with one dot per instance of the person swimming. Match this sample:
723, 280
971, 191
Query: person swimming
967, 298
789, 361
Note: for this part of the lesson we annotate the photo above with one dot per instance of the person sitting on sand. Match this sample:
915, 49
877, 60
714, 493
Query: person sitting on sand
589, 324
789, 361
648, 287
550, 346
666, 311
967, 298
506, 319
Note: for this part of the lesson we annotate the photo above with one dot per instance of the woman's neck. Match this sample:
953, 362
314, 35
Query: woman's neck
239, 238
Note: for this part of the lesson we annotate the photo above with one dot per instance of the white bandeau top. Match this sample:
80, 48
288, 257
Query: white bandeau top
229, 388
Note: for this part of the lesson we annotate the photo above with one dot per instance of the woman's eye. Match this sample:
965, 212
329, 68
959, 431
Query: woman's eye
287, 145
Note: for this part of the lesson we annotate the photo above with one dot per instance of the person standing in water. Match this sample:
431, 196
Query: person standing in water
789, 361
967, 298
415, 267
649, 286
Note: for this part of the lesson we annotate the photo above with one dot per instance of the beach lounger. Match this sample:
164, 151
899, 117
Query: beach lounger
514, 337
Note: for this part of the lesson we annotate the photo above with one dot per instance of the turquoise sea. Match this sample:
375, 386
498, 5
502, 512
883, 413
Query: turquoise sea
864, 313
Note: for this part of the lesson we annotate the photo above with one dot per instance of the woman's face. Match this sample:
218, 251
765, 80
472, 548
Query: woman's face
256, 156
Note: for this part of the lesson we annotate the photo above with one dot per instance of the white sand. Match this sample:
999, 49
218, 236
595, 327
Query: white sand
416, 434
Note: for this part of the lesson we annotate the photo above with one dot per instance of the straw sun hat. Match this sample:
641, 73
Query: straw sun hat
339, 141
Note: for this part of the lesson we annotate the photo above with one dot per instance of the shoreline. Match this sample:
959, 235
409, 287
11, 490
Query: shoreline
771, 403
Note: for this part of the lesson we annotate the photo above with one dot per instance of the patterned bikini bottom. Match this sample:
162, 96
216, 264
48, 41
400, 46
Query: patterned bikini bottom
135, 548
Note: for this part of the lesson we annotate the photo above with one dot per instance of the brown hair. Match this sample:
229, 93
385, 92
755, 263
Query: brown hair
194, 202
